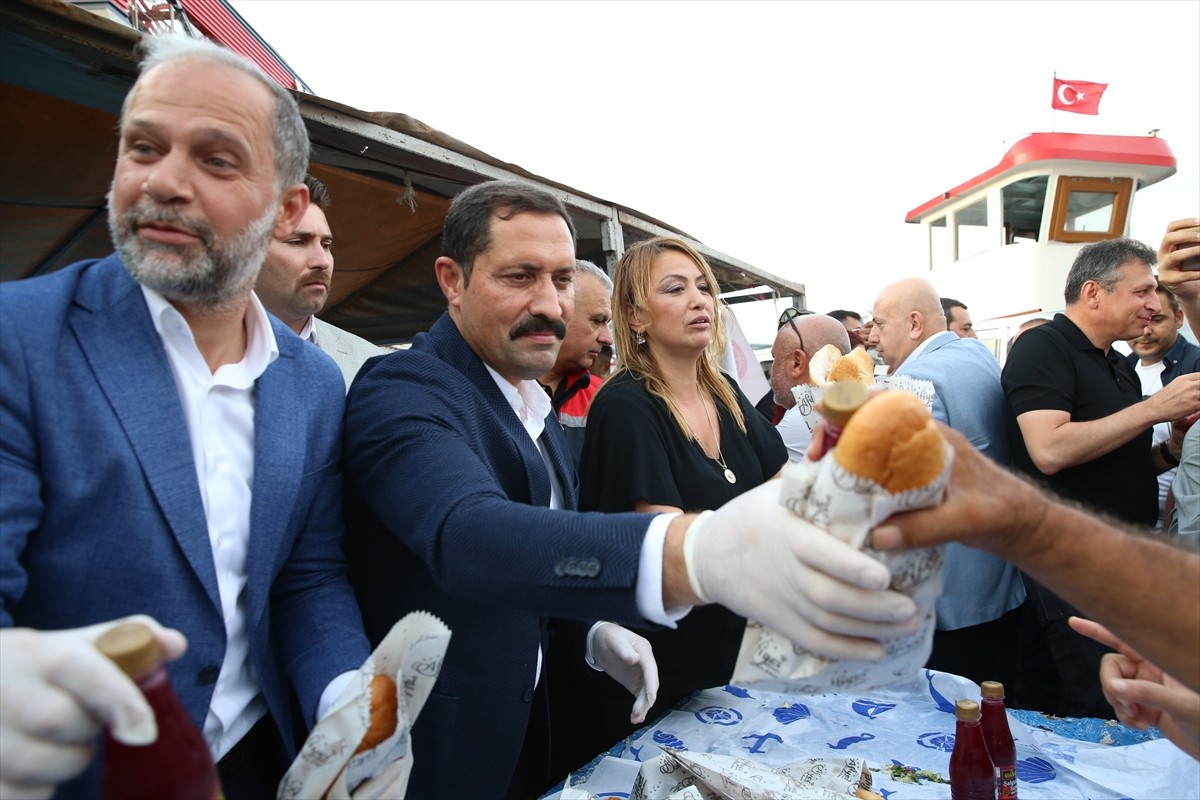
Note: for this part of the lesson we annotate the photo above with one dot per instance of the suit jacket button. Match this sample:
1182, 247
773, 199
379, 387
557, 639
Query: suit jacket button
593, 568
528, 697
560, 569
208, 675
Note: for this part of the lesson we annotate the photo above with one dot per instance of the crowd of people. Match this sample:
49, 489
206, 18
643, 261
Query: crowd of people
173, 445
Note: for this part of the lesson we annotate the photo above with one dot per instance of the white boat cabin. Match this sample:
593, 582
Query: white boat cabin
1003, 241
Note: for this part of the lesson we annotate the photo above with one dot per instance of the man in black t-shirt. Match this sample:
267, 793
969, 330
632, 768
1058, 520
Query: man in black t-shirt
1078, 424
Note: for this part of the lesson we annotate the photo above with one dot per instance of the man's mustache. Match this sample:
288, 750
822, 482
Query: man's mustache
538, 325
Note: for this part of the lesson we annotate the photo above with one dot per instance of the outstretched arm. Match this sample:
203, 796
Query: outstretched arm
1078, 555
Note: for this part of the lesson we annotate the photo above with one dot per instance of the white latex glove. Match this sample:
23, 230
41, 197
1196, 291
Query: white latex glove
56, 692
757, 558
629, 660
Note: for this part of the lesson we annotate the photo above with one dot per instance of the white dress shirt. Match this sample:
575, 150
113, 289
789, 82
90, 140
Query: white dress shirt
219, 411
531, 404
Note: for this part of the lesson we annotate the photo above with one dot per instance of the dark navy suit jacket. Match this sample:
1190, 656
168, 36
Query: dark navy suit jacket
100, 510
447, 510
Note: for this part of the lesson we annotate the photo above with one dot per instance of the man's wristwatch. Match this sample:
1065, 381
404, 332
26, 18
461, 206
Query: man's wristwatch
1169, 457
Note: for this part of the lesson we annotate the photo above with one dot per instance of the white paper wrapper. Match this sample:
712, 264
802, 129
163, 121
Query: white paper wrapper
682, 775
807, 395
326, 767
849, 507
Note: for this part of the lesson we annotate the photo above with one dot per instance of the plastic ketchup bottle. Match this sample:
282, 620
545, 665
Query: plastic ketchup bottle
998, 739
178, 763
972, 776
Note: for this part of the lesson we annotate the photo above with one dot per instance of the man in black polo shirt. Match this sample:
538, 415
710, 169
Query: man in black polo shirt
1078, 424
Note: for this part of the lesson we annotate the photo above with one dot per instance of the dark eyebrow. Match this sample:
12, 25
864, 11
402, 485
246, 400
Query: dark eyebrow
217, 135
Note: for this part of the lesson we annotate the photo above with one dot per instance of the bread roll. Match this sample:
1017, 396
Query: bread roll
893, 441
384, 707
829, 365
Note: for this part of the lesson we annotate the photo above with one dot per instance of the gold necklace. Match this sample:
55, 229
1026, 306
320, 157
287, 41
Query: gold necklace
729, 476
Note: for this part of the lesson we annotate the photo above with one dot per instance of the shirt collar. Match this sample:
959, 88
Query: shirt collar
528, 401
921, 347
261, 346
309, 332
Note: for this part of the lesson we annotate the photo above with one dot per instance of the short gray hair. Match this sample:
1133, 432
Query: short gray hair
289, 137
1102, 262
582, 266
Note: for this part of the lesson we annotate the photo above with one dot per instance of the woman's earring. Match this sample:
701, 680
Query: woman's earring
641, 338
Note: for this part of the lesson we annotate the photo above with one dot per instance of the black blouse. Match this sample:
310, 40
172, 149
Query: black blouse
634, 449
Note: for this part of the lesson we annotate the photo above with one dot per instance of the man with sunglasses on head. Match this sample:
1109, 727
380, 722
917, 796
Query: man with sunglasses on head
801, 334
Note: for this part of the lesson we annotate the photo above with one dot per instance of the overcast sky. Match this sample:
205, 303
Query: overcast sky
794, 136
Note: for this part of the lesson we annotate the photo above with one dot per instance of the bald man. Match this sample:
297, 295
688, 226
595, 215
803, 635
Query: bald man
978, 612
790, 368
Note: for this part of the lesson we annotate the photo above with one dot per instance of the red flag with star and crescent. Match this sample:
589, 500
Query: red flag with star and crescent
1079, 97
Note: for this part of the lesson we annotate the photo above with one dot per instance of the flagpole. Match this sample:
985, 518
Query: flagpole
1053, 115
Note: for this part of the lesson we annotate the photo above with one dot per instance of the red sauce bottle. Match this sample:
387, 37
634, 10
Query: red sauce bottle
998, 739
178, 763
972, 776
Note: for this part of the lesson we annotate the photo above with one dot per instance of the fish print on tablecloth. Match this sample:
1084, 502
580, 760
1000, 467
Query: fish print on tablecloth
942, 703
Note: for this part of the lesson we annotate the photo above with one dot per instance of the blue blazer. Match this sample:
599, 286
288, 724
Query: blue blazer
978, 587
101, 513
447, 504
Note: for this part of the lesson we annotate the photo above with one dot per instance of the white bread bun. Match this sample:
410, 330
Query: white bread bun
893, 441
829, 365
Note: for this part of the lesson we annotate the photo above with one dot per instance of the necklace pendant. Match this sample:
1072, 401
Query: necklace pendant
729, 476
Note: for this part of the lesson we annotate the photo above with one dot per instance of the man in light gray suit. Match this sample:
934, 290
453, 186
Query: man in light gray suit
978, 612
294, 285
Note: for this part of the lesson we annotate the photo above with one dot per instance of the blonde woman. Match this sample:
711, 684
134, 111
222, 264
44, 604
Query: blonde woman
668, 431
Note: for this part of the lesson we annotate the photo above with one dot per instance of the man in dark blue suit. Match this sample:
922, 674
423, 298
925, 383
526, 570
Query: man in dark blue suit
978, 614
167, 448
460, 498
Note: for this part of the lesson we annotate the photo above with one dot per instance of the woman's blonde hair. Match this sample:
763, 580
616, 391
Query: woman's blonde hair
632, 290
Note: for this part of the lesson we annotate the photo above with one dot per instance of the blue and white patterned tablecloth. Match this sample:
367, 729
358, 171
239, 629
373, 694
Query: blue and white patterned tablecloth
908, 725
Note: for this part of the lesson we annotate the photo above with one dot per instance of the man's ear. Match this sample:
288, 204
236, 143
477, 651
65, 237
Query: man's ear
1089, 293
916, 325
293, 203
799, 365
451, 279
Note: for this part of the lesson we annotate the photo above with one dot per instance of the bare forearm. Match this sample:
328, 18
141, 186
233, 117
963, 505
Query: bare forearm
1144, 590
1074, 443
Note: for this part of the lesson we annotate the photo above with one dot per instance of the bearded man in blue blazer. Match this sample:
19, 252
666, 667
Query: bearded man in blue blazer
978, 613
167, 448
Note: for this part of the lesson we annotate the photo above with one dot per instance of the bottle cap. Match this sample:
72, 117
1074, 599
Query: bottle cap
133, 647
992, 690
966, 710
841, 400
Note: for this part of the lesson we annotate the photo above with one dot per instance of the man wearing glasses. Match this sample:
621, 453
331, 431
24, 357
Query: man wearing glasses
800, 335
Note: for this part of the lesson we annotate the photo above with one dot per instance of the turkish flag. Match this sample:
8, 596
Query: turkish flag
1080, 97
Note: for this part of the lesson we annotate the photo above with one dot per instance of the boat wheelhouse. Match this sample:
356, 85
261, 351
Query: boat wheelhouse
1004, 241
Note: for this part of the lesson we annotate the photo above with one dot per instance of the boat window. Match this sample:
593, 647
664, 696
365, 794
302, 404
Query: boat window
1090, 209
1024, 202
972, 229
939, 244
